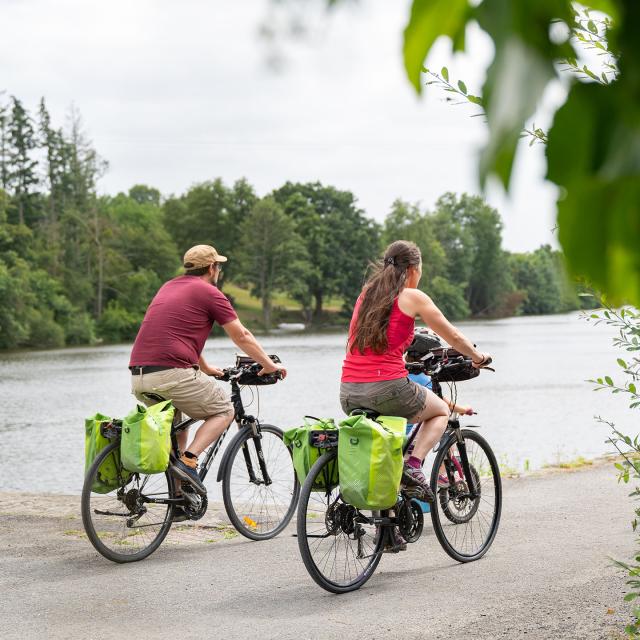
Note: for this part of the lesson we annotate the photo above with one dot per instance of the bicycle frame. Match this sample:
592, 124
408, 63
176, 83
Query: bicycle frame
243, 421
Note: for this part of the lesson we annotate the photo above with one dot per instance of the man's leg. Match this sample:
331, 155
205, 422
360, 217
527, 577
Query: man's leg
208, 432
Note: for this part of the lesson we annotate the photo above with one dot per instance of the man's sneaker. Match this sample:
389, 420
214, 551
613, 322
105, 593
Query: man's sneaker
187, 469
415, 478
443, 482
396, 544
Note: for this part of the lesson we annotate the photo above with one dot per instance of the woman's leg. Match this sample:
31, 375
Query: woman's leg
434, 417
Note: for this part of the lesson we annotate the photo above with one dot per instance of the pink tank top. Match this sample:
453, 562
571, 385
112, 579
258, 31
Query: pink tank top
375, 367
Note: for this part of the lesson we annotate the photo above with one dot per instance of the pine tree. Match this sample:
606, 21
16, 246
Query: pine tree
22, 171
56, 155
4, 146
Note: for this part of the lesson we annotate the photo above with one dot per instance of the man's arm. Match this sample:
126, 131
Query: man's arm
208, 369
244, 339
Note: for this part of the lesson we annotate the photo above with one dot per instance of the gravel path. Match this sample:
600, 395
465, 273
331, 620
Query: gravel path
546, 576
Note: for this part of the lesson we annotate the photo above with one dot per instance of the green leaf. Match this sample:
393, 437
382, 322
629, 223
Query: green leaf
596, 160
632, 387
515, 81
445, 73
591, 25
475, 99
622, 363
608, 380
430, 19
630, 596
462, 86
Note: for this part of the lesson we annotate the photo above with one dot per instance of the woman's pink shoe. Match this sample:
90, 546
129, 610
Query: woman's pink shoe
443, 481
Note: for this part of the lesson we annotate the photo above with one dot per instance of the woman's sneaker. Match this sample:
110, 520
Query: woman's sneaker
443, 482
414, 477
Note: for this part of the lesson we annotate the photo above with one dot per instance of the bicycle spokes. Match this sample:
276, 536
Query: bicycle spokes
470, 503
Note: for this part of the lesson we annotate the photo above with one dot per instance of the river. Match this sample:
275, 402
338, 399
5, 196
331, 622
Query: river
536, 409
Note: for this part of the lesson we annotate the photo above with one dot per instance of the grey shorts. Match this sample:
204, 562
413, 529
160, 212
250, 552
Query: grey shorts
401, 397
192, 392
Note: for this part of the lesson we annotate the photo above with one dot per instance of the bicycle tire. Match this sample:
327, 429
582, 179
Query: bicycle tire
244, 520
304, 515
448, 537
96, 535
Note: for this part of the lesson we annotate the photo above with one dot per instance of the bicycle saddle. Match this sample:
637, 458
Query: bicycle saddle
154, 398
370, 413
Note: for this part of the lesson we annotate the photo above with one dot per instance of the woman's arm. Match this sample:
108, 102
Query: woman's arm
414, 302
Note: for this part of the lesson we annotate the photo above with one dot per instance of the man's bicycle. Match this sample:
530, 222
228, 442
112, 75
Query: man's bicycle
259, 485
341, 546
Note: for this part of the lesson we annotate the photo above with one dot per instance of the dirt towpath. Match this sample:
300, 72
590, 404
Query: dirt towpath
547, 576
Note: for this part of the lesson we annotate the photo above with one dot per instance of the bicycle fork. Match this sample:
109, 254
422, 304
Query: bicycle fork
466, 467
257, 441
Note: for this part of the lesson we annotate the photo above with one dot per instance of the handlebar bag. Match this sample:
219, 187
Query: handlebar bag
110, 475
146, 438
370, 460
305, 454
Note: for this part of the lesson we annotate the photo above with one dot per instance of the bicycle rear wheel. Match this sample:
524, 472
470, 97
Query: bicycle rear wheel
466, 526
123, 525
260, 511
340, 547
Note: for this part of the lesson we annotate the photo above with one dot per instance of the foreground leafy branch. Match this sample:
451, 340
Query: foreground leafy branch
627, 323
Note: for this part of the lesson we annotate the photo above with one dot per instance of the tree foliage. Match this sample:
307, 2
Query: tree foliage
594, 144
76, 266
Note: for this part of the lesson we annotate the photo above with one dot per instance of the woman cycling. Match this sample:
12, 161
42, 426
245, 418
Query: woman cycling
373, 373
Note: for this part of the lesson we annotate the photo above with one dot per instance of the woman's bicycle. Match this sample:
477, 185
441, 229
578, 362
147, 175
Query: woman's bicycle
259, 485
341, 546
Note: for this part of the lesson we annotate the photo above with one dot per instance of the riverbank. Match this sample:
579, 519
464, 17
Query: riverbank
547, 576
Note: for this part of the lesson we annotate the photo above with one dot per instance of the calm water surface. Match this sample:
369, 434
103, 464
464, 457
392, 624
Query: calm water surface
535, 409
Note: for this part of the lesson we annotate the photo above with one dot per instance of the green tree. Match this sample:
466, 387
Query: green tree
541, 277
210, 213
271, 253
339, 240
22, 175
406, 222
470, 232
144, 194
4, 146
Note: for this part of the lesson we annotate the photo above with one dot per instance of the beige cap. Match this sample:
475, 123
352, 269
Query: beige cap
202, 255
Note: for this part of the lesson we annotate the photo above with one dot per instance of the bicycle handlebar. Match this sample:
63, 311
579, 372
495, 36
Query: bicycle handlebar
447, 363
233, 373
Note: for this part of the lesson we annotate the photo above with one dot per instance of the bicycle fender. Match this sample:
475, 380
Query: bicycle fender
225, 455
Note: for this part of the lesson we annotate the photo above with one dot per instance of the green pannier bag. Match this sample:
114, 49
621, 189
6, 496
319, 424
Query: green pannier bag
370, 460
146, 438
305, 455
110, 475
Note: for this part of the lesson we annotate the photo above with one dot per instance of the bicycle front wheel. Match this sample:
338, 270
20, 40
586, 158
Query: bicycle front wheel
340, 546
466, 525
130, 522
260, 501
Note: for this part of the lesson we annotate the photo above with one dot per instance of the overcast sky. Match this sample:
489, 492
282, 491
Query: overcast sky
173, 93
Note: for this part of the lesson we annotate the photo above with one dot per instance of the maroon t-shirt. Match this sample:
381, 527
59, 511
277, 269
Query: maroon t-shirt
178, 322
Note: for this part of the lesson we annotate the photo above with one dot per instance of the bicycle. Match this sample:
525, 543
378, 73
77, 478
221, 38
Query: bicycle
341, 546
259, 488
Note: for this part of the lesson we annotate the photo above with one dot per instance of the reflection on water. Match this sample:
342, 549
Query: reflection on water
535, 408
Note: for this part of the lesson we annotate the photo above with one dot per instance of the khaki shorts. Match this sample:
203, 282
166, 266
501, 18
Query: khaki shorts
192, 392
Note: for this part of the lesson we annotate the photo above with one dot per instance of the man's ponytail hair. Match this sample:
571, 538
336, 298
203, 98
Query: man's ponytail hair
388, 277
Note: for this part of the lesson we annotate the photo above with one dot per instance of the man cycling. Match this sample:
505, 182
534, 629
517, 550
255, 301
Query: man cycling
167, 359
